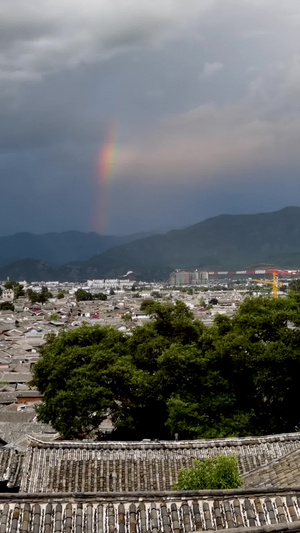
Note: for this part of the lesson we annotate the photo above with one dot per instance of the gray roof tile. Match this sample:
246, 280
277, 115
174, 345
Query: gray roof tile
139, 466
163, 512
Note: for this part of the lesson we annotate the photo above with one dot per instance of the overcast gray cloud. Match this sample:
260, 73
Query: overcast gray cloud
45, 36
204, 96
210, 69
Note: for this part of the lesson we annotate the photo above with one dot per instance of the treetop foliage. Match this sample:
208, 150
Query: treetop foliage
7, 306
82, 295
39, 297
174, 375
60, 295
212, 473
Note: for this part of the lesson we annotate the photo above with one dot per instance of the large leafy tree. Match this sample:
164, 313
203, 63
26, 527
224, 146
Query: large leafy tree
174, 375
74, 375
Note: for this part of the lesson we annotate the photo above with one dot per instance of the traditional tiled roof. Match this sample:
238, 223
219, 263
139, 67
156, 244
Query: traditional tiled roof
11, 463
282, 472
12, 432
16, 377
151, 513
137, 466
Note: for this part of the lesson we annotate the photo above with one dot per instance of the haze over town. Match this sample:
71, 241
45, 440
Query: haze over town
204, 98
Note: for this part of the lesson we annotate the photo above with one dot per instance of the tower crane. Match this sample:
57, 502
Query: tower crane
275, 272
275, 283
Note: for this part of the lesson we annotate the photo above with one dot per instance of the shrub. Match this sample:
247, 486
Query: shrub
7, 306
220, 472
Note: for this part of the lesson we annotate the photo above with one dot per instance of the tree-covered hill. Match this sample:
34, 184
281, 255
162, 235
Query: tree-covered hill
57, 248
218, 243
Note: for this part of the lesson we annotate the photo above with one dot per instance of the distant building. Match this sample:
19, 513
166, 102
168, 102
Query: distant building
186, 277
8, 295
95, 285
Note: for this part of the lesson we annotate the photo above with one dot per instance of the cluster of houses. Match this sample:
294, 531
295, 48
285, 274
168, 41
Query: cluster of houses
55, 486
24, 330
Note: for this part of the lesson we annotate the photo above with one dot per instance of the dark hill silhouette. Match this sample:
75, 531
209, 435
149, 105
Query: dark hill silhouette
218, 243
57, 248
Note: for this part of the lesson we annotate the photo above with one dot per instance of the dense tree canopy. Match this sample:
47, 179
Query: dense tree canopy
60, 295
7, 306
174, 375
82, 295
40, 297
294, 285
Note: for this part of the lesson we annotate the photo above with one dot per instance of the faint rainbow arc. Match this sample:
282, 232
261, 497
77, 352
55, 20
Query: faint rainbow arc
105, 168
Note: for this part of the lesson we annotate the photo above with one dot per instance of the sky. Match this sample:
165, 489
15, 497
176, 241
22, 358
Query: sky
202, 96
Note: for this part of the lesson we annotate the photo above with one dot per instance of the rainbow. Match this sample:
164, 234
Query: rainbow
107, 156
105, 165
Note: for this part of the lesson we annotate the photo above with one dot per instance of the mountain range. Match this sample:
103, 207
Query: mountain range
218, 243
58, 248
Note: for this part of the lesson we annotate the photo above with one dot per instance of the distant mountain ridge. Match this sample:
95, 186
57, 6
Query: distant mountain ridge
57, 248
218, 243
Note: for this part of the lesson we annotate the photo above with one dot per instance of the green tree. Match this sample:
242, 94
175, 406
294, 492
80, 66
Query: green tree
18, 290
82, 295
39, 297
54, 316
174, 375
74, 373
221, 472
125, 369
202, 303
147, 305
100, 296
9, 285
294, 286
127, 317
155, 294
7, 306
60, 295
262, 345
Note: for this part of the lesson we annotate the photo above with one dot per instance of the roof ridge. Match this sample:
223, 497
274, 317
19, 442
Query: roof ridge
155, 444
148, 495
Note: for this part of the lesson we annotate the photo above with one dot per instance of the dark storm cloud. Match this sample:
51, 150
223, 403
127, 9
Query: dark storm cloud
205, 99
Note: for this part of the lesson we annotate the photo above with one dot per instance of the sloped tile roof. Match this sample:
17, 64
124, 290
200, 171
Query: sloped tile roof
168, 512
282, 472
11, 463
137, 466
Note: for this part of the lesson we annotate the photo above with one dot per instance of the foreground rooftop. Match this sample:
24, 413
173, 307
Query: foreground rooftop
125, 487
168, 512
143, 466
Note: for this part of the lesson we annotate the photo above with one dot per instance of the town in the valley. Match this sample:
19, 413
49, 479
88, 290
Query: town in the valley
24, 329
53, 485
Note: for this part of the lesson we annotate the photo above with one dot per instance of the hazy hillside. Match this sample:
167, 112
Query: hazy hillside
56, 248
222, 242
30, 270
226, 241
